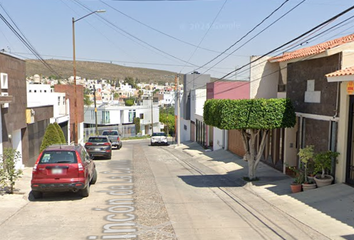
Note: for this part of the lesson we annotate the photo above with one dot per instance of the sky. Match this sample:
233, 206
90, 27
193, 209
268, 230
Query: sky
209, 36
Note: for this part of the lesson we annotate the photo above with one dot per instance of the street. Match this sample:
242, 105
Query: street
151, 192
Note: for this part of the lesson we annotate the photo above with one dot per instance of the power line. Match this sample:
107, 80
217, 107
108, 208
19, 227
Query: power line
282, 16
244, 35
27, 44
293, 40
195, 50
138, 39
159, 31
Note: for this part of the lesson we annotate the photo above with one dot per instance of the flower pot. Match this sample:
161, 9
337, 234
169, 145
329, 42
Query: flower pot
308, 186
295, 187
321, 182
311, 179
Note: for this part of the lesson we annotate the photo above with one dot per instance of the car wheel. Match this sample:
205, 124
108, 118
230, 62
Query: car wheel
36, 194
94, 177
86, 191
110, 156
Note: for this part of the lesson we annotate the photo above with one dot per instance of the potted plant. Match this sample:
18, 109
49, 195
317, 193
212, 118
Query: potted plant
296, 185
323, 162
306, 157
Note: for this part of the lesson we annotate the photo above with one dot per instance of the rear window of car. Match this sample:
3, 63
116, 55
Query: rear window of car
98, 139
158, 134
58, 157
110, 133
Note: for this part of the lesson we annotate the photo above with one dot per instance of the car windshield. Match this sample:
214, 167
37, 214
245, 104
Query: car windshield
98, 139
159, 134
110, 133
58, 157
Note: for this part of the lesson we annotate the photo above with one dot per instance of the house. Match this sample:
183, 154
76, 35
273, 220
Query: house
223, 139
44, 106
13, 101
113, 116
263, 83
191, 108
322, 100
75, 112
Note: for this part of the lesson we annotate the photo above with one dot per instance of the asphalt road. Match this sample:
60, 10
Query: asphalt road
152, 192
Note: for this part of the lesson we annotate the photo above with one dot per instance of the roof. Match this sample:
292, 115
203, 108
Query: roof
343, 72
313, 50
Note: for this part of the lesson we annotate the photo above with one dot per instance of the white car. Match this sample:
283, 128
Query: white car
159, 138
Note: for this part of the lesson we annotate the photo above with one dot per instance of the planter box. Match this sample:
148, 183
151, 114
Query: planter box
321, 182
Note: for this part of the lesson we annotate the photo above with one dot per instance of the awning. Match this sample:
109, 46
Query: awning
343, 75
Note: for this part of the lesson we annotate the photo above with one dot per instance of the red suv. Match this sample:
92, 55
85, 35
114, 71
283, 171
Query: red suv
61, 168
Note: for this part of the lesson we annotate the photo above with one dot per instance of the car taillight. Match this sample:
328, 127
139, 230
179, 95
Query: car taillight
36, 164
118, 139
34, 168
107, 144
88, 143
80, 167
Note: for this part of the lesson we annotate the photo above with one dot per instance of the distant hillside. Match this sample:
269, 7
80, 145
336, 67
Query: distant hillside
97, 70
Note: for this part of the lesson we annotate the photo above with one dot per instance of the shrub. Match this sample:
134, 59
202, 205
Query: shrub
51, 136
60, 132
8, 172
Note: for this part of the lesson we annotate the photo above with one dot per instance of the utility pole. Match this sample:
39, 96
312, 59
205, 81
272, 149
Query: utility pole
152, 114
178, 115
94, 99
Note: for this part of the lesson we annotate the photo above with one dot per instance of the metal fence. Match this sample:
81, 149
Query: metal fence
125, 130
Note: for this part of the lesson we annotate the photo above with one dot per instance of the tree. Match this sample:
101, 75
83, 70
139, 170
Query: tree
131, 82
51, 136
252, 117
60, 132
137, 124
8, 172
129, 102
167, 117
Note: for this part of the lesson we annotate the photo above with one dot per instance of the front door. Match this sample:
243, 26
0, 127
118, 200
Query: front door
350, 149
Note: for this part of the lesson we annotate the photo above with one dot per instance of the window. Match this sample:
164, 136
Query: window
4, 81
58, 157
58, 100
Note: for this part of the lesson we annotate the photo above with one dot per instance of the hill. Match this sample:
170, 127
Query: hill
97, 70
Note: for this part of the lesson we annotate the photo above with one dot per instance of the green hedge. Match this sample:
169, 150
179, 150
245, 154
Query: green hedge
249, 113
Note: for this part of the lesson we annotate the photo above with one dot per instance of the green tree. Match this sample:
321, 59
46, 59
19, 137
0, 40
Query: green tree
137, 124
168, 120
8, 172
129, 102
60, 132
252, 117
51, 136
131, 82
87, 100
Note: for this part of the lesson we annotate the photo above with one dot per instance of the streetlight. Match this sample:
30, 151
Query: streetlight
76, 137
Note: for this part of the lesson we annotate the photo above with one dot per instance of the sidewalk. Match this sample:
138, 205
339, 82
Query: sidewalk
328, 210
10, 204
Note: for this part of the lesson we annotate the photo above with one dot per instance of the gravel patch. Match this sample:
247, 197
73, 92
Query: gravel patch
153, 221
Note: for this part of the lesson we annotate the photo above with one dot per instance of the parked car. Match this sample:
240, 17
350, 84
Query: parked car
114, 137
99, 146
158, 138
61, 168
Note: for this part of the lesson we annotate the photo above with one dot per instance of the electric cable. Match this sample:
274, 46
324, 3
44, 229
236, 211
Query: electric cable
249, 32
27, 44
157, 30
293, 40
136, 38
